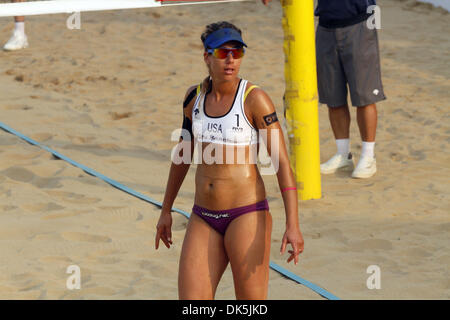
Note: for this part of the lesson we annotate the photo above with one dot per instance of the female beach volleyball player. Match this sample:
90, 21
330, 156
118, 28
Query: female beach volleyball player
231, 222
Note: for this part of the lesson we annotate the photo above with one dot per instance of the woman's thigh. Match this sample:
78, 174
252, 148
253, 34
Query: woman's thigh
202, 262
247, 244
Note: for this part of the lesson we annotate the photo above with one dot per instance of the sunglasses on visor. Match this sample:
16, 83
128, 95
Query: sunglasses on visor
222, 53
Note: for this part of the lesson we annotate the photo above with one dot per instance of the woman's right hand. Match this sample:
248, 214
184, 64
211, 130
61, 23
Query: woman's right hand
164, 230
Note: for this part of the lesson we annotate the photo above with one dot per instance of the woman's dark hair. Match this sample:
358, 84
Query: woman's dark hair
210, 28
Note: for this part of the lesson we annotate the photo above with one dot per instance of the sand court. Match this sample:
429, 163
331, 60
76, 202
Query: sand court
109, 96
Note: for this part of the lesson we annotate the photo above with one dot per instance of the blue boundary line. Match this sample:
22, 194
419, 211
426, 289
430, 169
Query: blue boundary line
122, 187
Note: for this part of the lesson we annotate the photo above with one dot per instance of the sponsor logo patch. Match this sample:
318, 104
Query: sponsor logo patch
216, 216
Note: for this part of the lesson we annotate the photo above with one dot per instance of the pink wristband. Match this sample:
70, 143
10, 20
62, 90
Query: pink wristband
289, 188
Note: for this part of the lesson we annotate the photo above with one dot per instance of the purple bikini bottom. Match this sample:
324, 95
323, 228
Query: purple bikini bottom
220, 219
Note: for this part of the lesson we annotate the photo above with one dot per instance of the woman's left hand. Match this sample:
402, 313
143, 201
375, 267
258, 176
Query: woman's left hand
293, 236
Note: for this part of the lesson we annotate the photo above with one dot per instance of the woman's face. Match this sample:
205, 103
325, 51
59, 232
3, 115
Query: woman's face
223, 69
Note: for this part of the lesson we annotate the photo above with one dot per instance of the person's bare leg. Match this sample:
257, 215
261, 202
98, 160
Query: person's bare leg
367, 122
247, 243
340, 121
203, 261
340, 124
21, 18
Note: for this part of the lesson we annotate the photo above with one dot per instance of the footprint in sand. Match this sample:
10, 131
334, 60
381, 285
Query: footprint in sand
42, 207
64, 215
18, 174
119, 215
118, 116
22, 276
154, 267
56, 259
73, 197
85, 237
416, 154
395, 156
445, 227
371, 244
80, 140
26, 282
8, 140
49, 183
42, 136
415, 253
47, 236
6, 207
335, 234
24, 175
108, 260
34, 285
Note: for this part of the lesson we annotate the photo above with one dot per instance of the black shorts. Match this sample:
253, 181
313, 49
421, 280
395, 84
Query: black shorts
348, 56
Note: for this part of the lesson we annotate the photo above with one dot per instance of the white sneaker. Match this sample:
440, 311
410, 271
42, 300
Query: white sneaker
366, 168
336, 162
18, 41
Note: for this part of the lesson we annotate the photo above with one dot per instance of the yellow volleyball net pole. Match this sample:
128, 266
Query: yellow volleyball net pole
301, 102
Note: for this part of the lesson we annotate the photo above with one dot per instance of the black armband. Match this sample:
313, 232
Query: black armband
187, 125
189, 98
271, 118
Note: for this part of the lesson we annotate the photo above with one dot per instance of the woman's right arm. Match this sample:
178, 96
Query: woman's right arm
176, 177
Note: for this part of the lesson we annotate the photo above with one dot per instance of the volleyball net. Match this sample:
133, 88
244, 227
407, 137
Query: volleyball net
30, 8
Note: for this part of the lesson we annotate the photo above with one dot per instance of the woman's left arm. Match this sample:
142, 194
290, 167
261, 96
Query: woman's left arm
265, 120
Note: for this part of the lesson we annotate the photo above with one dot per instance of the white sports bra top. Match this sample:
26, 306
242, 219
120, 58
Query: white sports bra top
233, 128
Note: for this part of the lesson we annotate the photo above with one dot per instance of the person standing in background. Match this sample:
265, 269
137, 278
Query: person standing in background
19, 39
348, 55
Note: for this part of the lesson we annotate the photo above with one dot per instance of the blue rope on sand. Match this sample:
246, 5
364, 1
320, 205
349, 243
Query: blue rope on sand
122, 187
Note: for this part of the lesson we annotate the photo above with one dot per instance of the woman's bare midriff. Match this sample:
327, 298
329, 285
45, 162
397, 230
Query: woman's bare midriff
226, 186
